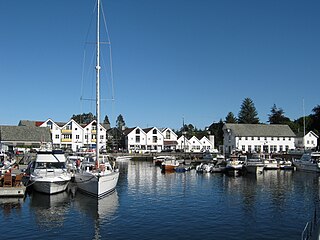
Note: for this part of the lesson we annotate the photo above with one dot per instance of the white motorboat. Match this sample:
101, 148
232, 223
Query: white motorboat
254, 165
124, 158
234, 165
97, 179
270, 164
48, 172
309, 162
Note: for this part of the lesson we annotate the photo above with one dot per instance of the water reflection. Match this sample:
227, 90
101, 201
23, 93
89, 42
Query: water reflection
100, 210
11, 205
49, 210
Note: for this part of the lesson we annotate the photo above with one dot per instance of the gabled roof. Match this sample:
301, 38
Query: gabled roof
301, 134
25, 134
258, 130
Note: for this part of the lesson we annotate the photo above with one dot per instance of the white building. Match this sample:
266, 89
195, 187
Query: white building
136, 139
307, 141
154, 139
169, 139
257, 138
208, 145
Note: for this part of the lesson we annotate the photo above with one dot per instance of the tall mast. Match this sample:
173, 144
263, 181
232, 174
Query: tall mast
98, 83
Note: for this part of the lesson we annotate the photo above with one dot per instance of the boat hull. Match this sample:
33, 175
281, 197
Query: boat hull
96, 185
50, 187
254, 168
307, 166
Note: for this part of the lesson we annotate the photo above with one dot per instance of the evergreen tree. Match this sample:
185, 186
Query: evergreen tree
120, 123
230, 118
106, 120
84, 118
315, 119
277, 116
248, 113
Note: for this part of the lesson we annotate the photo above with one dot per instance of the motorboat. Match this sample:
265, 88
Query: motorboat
234, 165
48, 172
169, 164
254, 165
309, 162
97, 179
270, 164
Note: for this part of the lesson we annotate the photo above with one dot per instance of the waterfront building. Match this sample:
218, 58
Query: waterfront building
183, 144
207, 144
169, 139
257, 138
307, 141
23, 136
154, 139
135, 139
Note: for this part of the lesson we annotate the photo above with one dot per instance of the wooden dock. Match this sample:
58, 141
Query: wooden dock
18, 191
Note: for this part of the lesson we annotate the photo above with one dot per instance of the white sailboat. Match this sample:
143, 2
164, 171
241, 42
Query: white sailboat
97, 176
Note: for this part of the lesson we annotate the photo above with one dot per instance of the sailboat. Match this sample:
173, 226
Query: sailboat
97, 176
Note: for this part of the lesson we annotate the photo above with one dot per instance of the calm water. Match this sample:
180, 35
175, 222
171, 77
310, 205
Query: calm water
150, 205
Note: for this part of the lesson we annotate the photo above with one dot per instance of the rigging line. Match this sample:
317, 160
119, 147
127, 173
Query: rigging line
110, 51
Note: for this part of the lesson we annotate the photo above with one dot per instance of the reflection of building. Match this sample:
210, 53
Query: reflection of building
257, 138
307, 141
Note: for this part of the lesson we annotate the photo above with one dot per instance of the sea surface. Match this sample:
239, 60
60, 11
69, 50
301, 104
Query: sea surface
148, 204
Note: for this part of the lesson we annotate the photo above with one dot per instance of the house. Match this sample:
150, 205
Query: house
90, 135
154, 138
257, 138
208, 145
183, 144
135, 139
169, 139
30, 136
308, 141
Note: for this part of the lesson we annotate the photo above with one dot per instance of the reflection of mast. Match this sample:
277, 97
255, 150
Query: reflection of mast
304, 125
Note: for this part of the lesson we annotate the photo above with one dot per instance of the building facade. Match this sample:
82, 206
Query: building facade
257, 138
308, 141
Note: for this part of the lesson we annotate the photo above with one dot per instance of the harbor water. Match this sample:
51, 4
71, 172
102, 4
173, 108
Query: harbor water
148, 204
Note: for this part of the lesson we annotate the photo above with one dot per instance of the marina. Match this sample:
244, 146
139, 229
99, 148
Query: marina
148, 203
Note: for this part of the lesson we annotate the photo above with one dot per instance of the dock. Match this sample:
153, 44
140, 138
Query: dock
18, 191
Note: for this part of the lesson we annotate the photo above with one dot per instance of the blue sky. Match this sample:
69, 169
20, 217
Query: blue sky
172, 59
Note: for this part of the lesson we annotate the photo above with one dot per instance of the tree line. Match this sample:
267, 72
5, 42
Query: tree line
247, 115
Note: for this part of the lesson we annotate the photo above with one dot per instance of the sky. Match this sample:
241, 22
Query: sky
172, 60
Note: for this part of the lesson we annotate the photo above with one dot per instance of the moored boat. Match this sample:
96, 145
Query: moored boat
270, 164
97, 179
234, 165
254, 165
309, 162
48, 172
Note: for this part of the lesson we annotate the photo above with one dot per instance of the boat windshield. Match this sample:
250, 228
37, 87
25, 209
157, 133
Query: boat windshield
50, 165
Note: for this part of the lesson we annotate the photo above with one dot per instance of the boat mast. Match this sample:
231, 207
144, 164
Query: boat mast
98, 83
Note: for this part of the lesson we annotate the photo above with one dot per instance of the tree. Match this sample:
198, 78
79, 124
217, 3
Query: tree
216, 130
230, 118
277, 116
120, 122
315, 119
106, 120
84, 118
248, 113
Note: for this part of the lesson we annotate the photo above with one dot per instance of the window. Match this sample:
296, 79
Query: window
137, 139
168, 134
280, 148
57, 136
239, 138
257, 148
252, 138
249, 148
271, 138
77, 136
101, 137
265, 138
246, 138
154, 139
278, 139
284, 138
86, 136
137, 131
258, 138
154, 131
243, 148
